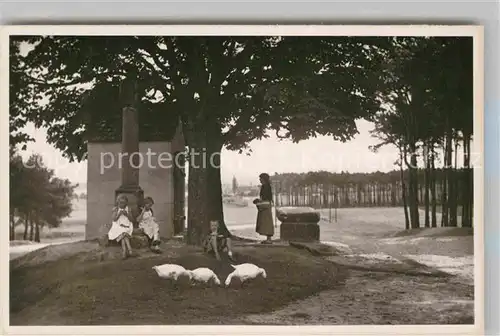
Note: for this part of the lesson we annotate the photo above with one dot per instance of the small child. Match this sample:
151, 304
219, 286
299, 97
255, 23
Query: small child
148, 224
122, 227
218, 239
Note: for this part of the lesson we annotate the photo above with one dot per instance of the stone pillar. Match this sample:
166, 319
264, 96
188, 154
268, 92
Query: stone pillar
130, 161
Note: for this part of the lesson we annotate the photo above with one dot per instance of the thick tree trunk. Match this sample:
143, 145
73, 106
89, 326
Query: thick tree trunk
26, 224
433, 189
12, 226
179, 194
413, 186
453, 187
216, 210
37, 231
450, 213
426, 185
11, 232
204, 187
403, 192
32, 228
198, 215
467, 191
444, 194
470, 178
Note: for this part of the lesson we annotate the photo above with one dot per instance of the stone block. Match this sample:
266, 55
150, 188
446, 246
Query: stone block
139, 240
297, 214
299, 232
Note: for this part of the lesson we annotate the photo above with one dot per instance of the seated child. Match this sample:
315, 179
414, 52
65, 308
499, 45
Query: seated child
148, 224
218, 239
122, 227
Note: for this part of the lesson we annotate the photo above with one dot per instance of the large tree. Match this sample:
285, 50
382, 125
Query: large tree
428, 94
226, 91
37, 197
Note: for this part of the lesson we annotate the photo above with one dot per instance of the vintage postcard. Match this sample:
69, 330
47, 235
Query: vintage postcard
245, 179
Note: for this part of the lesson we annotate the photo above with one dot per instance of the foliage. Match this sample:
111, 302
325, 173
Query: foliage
427, 99
300, 86
36, 195
226, 91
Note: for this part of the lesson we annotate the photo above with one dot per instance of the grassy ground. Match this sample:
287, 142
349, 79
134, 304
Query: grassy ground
82, 284
92, 288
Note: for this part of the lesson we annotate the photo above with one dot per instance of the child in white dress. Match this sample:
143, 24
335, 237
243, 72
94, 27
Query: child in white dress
122, 227
148, 224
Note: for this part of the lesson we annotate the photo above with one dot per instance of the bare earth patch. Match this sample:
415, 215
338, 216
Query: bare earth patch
380, 298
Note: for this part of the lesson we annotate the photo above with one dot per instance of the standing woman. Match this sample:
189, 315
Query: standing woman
264, 205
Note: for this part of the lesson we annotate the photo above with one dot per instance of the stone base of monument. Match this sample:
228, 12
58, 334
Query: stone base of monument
298, 224
297, 214
299, 232
138, 241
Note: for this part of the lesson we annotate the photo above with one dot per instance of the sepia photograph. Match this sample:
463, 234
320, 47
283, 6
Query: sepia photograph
244, 175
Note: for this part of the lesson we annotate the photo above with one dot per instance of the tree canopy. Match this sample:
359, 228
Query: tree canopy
297, 86
428, 104
37, 197
226, 91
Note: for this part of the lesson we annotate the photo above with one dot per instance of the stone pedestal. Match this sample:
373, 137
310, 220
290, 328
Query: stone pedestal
139, 240
297, 214
299, 232
130, 158
298, 224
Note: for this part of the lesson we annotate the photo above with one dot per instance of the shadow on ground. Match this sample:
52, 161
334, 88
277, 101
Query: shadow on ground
94, 287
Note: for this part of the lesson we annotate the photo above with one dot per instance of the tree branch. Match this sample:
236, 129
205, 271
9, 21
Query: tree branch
36, 81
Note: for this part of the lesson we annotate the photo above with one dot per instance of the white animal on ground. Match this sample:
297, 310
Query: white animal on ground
171, 271
245, 272
204, 275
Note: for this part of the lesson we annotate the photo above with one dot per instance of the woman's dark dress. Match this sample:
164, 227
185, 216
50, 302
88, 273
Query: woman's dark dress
264, 225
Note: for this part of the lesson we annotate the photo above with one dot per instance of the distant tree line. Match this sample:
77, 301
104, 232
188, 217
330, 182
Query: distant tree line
82, 196
38, 199
343, 190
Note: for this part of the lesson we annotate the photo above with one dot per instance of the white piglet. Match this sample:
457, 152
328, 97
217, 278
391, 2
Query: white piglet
245, 272
204, 275
171, 271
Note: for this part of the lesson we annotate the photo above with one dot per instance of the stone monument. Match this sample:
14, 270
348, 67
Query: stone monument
130, 156
298, 224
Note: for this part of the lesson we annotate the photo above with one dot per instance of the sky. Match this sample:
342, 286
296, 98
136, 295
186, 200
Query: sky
268, 155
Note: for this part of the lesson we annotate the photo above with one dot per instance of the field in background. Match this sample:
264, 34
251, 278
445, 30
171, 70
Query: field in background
360, 222
381, 220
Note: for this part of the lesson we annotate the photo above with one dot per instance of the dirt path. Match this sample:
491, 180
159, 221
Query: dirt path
380, 298
375, 234
375, 242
